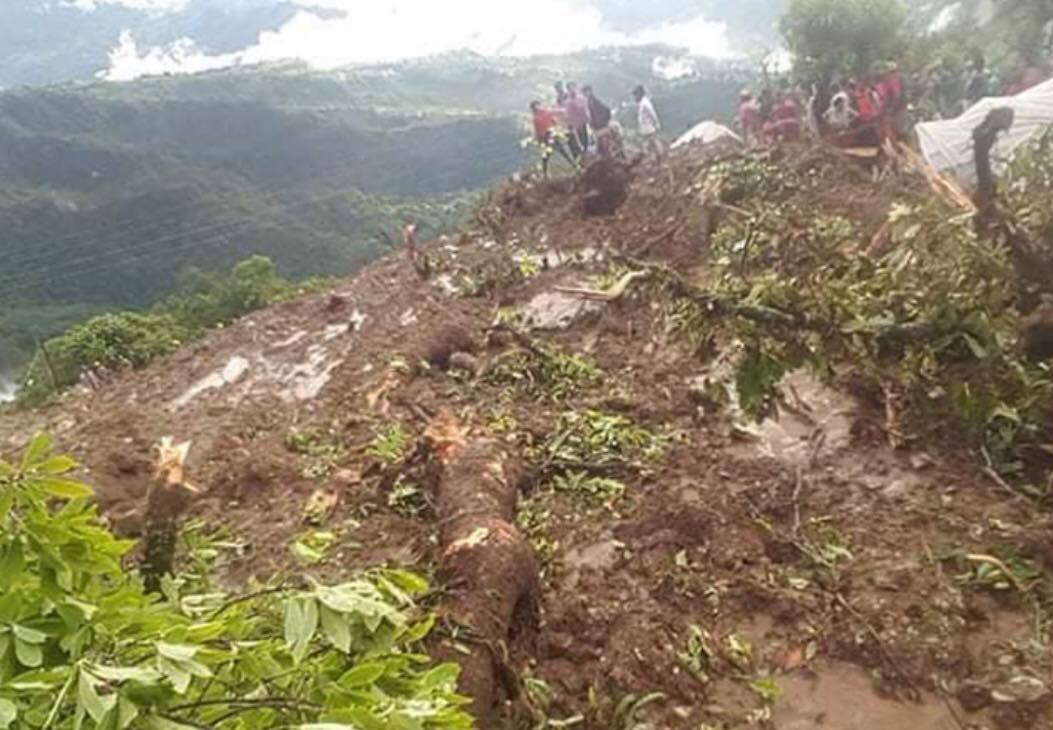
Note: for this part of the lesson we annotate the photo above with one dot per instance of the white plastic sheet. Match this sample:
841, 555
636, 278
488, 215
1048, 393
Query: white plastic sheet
948, 144
706, 133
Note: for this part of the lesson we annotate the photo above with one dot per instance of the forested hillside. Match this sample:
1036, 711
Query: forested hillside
111, 193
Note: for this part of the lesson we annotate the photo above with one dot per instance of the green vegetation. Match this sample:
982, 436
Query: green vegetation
83, 646
113, 191
545, 374
600, 443
927, 321
133, 339
833, 37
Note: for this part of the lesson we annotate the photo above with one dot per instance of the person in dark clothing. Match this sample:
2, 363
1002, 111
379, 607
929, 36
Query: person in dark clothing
576, 114
600, 120
561, 94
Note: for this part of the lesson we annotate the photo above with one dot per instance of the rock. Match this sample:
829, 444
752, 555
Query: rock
974, 697
464, 362
335, 303
1020, 689
444, 343
556, 311
606, 187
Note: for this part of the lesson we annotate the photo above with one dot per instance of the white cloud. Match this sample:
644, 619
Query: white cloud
373, 31
158, 7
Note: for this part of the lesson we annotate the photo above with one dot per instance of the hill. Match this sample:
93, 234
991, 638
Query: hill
702, 478
109, 193
55, 41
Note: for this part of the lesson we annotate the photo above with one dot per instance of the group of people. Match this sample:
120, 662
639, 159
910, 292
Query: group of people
946, 91
854, 111
868, 109
579, 125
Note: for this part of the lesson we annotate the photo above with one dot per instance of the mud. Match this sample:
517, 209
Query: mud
841, 567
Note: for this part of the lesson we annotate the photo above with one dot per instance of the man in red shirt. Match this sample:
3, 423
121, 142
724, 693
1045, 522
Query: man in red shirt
545, 122
749, 118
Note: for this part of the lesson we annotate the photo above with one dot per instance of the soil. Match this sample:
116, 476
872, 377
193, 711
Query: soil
826, 571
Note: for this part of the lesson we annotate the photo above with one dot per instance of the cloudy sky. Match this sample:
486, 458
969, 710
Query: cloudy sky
365, 31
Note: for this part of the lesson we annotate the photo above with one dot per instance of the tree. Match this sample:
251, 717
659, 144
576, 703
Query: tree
832, 37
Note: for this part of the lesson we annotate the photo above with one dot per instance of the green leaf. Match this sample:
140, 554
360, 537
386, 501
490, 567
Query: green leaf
88, 698
36, 451
66, 488
176, 673
336, 628
11, 563
419, 630
161, 723
8, 713
176, 652
144, 675
30, 636
301, 622
57, 465
29, 655
362, 675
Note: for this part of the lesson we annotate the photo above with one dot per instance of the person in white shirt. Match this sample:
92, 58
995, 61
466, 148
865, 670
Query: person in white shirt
648, 124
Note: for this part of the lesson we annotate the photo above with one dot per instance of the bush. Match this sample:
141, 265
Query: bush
110, 341
82, 645
133, 339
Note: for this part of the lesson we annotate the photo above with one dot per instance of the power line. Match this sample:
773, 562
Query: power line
131, 229
145, 249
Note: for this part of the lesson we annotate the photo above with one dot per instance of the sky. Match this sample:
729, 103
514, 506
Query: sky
373, 31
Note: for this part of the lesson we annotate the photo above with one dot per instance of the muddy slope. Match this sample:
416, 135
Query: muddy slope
794, 575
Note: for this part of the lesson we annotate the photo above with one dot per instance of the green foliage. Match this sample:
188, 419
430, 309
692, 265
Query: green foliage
133, 339
82, 645
209, 300
110, 341
408, 498
834, 37
931, 317
595, 442
320, 450
548, 374
389, 445
592, 490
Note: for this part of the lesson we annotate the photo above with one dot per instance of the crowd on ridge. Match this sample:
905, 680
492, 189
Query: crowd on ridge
579, 125
866, 110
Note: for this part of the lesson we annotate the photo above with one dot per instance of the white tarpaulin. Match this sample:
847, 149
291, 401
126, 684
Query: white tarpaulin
948, 144
706, 133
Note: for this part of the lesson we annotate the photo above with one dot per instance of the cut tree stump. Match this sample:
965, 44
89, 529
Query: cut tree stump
488, 566
167, 501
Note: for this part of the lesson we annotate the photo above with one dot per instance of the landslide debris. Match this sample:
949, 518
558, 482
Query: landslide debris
888, 534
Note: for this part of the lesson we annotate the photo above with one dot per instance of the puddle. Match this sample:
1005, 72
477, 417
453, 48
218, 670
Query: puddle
231, 373
841, 697
817, 419
556, 311
598, 556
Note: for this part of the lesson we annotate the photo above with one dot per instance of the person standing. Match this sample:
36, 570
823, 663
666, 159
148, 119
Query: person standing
648, 124
561, 94
749, 119
545, 122
576, 110
600, 118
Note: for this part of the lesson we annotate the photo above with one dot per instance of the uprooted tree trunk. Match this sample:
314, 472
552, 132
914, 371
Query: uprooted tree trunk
1034, 270
488, 566
167, 501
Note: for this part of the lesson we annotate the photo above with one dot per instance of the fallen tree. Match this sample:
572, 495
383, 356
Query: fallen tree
487, 565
